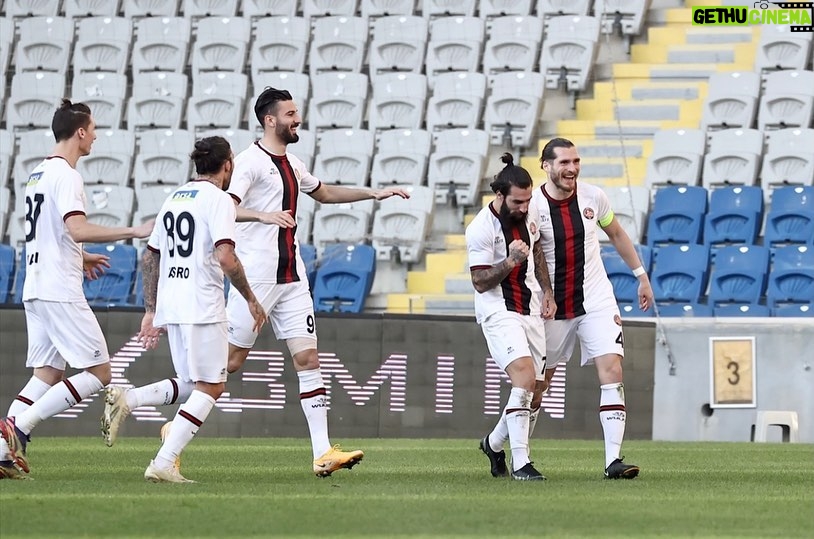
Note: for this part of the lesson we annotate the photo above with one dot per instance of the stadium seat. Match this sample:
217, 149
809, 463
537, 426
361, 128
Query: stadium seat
221, 44
569, 52
7, 270
788, 100
737, 310
91, 8
269, 8
632, 310
344, 278
733, 157
680, 273
338, 101
150, 8
625, 284
148, 203
398, 101
385, 8
34, 97
344, 156
34, 147
6, 46
297, 84
162, 44
109, 205
306, 207
457, 165
447, 8
401, 226
791, 280
780, 48
157, 101
104, 93
114, 286
677, 215
791, 216
735, 215
5, 208
621, 16
795, 311
502, 8
281, 44
731, 100
44, 44
27, 8
102, 44
513, 44
400, 158
455, 45
328, 8
789, 159
399, 44
210, 8
6, 153
342, 223
556, 8
739, 275
309, 258
457, 101
630, 206
238, 139
306, 147
217, 100
339, 44
112, 158
677, 157
514, 107
163, 158
687, 310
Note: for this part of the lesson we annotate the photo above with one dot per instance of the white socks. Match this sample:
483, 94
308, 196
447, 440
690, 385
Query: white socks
517, 420
612, 415
169, 391
185, 425
314, 402
31, 393
58, 398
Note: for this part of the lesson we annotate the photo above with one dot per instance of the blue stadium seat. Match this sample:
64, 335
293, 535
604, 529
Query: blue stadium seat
625, 284
113, 287
796, 311
7, 263
739, 275
680, 274
344, 278
677, 215
309, 257
631, 310
742, 310
791, 217
735, 215
688, 310
791, 279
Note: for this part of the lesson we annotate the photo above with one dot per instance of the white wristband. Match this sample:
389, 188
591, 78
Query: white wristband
638, 272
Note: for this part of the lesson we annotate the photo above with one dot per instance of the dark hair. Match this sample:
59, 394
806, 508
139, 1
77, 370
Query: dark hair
210, 154
510, 175
267, 102
548, 150
68, 118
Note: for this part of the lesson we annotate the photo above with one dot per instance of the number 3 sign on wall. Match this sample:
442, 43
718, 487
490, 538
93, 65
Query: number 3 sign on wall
732, 370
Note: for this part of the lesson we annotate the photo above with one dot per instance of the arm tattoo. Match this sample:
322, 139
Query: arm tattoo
149, 270
540, 266
236, 274
488, 278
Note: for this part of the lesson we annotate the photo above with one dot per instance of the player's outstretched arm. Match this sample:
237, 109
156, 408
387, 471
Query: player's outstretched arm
336, 194
81, 230
230, 263
283, 219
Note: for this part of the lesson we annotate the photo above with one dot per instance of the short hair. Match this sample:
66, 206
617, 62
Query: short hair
511, 175
548, 150
267, 102
210, 154
68, 118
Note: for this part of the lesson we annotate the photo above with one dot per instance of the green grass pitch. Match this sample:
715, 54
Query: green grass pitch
410, 488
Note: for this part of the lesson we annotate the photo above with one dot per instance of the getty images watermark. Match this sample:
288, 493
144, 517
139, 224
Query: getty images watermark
797, 15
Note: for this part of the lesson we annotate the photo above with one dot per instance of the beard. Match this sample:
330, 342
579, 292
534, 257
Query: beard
285, 134
511, 218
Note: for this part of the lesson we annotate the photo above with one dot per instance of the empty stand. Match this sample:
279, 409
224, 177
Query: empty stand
513, 107
327, 8
455, 44
555, 8
281, 44
513, 44
148, 202
157, 101
399, 44
33, 100
684, 310
789, 159
446, 8
457, 101
791, 216
109, 205
338, 100
731, 101
625, 284
788, 100
102, 44
221, 44
680, 274
34, 147
400, 227
780, 48
400, 158
162, 44
27, 8
457, 165
624, 17
104, 93
210, 8
384, 8
150, 8
739, 275
742, 310
677, 215
342, 223
91, 8
111, 160
114, 285
629, 205
339, 44
794, 311
569, 52
217, 100
501, 8
44, 44
733, 157
163, 158
344, 156
398, 101
791, 280
344, 278
677, 157
306, 147
735, 215
269, 8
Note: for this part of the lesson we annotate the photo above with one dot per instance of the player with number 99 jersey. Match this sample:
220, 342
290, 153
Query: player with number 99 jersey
193, 221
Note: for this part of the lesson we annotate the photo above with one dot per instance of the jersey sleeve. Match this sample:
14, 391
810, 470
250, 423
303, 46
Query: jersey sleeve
479, 247
154, 242
242, 177
604, 210
223, 222
308, 182
70, 196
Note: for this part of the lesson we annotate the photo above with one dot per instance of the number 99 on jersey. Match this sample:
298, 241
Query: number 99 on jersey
732, 371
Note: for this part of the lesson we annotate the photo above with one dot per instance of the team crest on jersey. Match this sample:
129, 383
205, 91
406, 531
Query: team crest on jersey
617, 319
297, 174
533, 228
588, 213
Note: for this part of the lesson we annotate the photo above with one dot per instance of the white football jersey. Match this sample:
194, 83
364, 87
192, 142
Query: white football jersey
266, 182
571, 247
487, 242
195, 218
54, 192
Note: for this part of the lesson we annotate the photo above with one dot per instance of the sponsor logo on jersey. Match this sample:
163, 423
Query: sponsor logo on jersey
183, 196
588, 213
34, 179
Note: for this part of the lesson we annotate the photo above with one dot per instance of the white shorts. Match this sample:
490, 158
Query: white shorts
60, 333
200, 352
599, 333
511, 336
289, 306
